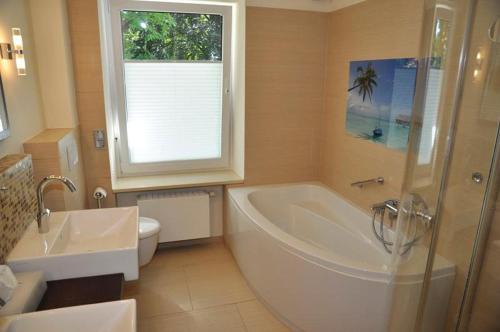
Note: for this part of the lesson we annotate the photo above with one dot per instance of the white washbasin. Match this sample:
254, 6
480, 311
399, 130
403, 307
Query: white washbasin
81, 243
118, 316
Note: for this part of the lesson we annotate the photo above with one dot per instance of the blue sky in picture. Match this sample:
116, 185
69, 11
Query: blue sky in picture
392, 97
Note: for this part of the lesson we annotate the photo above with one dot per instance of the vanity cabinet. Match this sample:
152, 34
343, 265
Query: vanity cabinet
80, 291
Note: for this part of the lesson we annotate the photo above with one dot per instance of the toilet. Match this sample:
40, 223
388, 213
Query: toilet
148, 239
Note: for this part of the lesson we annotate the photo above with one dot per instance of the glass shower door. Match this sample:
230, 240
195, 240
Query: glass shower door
480, 304
452, 143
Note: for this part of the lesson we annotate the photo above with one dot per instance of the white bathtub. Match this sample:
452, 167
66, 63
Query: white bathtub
312, 258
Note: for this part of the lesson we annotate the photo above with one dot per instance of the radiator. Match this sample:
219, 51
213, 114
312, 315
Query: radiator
182, 216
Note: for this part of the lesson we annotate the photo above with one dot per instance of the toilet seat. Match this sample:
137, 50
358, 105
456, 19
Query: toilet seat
148, 227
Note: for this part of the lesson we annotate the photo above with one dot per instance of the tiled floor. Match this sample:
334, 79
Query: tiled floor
197, 288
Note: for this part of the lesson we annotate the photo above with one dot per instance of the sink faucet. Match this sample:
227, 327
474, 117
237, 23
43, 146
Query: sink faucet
43, 214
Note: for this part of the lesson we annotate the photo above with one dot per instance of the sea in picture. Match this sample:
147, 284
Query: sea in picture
397, 137
381, 100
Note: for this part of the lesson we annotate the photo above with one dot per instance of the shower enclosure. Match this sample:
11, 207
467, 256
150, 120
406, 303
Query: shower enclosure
452, 165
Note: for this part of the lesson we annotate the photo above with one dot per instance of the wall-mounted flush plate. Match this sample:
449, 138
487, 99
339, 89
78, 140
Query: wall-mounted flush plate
99, 139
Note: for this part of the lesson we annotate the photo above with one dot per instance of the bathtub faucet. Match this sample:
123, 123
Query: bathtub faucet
379, 209
391, 205
418, 220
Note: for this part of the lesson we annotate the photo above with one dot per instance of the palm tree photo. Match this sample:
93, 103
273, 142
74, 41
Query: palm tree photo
365, 82
380, 100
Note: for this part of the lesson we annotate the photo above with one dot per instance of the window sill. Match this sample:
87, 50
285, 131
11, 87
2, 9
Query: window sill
157, 182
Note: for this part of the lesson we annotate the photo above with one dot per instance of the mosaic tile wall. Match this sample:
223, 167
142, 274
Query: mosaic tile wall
17, 200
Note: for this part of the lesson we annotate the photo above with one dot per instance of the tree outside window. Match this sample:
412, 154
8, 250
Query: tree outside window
171, 36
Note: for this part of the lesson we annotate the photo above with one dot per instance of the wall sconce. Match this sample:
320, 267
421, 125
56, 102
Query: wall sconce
15, 51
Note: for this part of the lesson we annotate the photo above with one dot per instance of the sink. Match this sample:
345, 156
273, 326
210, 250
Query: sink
80, 244
118, 316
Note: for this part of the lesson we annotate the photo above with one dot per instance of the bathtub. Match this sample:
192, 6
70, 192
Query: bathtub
312, 259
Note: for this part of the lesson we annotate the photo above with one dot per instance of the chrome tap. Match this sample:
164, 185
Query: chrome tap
43, 214
392, 205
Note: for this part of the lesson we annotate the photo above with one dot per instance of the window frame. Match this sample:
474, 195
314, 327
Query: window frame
425, 172
114, 43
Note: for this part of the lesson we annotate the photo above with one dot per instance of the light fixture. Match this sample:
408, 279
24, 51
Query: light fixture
15, 51
17, 40
479, 59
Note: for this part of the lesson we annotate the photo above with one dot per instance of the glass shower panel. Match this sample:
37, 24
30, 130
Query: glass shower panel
451, 147
438, 89
472, 153
481, 302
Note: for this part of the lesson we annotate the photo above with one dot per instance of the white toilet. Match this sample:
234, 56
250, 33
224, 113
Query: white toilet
148, 239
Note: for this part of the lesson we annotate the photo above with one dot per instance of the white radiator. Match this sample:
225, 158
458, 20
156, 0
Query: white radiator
182, 216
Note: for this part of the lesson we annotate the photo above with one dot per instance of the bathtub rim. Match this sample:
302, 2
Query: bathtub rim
239, 197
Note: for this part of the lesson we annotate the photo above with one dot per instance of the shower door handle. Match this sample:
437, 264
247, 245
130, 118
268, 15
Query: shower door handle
427, 219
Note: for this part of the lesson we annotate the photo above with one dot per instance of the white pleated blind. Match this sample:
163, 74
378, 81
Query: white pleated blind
173, 110
431, 112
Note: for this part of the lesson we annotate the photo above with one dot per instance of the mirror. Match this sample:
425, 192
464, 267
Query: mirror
4, 120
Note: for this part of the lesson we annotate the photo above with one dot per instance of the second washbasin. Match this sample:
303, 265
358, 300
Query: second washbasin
119, 316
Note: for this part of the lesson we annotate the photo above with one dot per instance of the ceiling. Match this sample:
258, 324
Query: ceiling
313, 5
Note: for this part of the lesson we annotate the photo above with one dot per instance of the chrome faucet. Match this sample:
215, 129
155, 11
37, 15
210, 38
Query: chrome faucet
392, 205
43, 214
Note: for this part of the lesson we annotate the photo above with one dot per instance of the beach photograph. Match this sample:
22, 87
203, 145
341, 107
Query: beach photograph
380, 100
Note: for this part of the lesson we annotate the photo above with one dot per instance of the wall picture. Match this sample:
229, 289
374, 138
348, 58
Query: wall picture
380, 100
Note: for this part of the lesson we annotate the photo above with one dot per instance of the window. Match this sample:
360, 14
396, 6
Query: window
171, 77
432, 101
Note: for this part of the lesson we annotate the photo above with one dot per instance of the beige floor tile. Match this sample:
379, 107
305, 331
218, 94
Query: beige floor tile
159, 291
216, 283
217, 319
195, 254
258, 319
161, 274
197, 288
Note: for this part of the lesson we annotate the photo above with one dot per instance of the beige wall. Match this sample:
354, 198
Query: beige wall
378, 29
284, 94
84, 32
23, 100
53, 49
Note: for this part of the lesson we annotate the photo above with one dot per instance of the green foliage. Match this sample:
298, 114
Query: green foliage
171, 36
366, 81
440, 44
